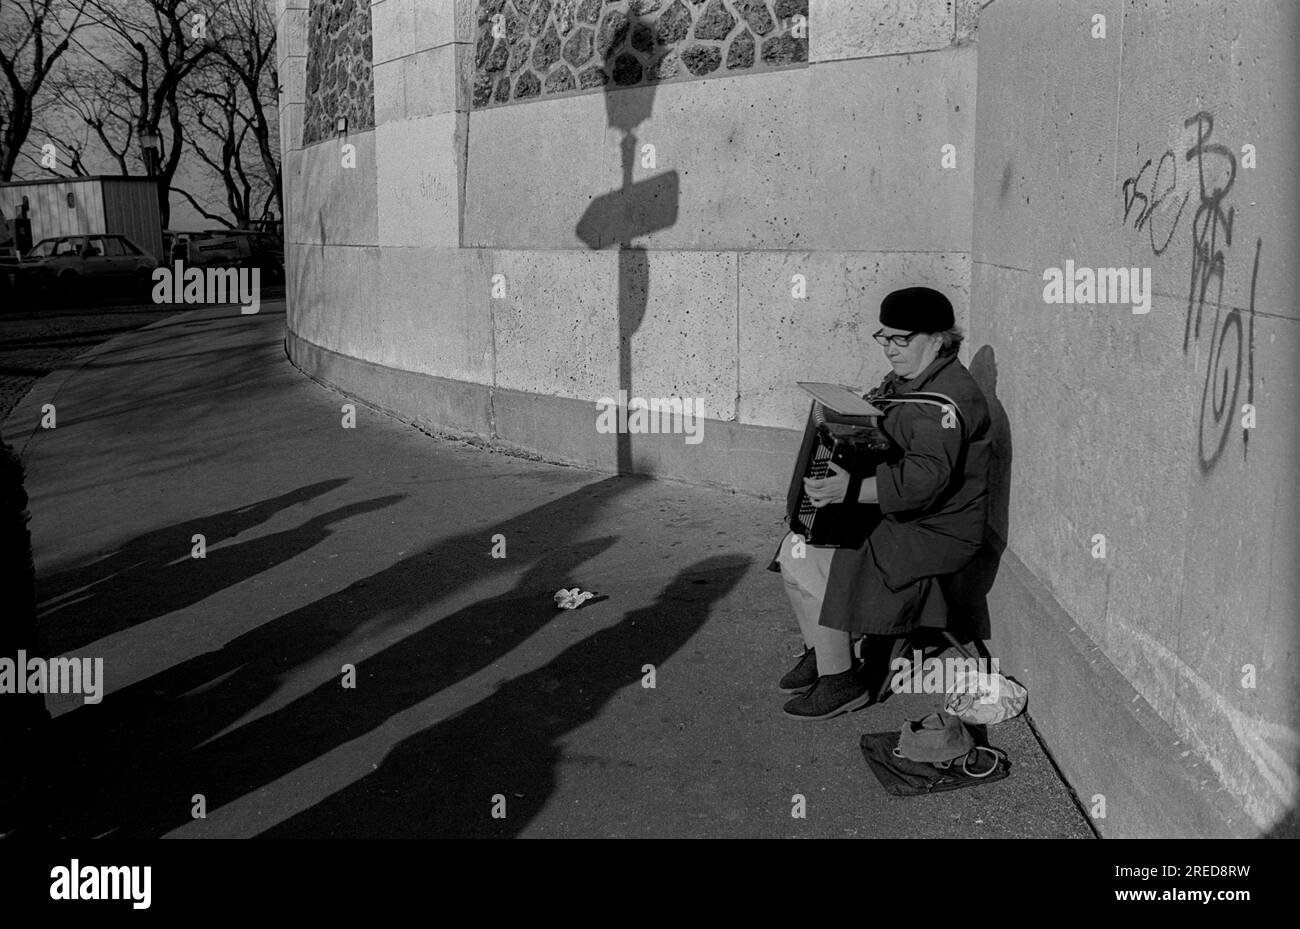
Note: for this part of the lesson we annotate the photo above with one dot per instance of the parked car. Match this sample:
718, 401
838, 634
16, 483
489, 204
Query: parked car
265, 250
70, 266
228, 248
8, 271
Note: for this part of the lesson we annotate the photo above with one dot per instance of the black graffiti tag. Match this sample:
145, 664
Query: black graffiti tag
1211, 232
1232, 342
1155, 200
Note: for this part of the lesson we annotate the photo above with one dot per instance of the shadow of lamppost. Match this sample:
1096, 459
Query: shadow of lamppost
636, 208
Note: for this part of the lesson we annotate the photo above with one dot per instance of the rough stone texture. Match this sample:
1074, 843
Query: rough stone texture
498, 58
741, 53
756, 15
527, 85
784, 49
628, 42
716, 22
482, 89
674, 24
483, 48
968, 13
613, 30
562, 79
518, 40
701, 59
339, 60
547, 50
565, 14
593, 76
579, 46
537, 21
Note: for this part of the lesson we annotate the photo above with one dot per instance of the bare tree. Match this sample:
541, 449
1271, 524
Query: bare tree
231, 126
200, 77
87, 119
218, 137
34, 35
146, 50
245, 47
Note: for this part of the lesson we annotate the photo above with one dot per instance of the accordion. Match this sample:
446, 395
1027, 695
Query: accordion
854, 442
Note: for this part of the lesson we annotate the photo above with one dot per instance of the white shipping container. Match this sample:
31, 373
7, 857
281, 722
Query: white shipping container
87, 205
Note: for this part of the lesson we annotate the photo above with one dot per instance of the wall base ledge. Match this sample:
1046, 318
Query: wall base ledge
1104, 738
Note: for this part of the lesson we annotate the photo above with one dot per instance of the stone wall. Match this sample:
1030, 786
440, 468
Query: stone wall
444, 277
339, 82
1140, 491
541, 48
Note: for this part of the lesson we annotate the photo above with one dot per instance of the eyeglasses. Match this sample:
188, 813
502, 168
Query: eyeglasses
899, 340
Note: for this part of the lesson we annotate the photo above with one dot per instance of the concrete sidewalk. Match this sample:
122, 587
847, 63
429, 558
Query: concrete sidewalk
372, 548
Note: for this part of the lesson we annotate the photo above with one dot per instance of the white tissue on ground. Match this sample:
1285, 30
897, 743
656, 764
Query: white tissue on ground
572, 599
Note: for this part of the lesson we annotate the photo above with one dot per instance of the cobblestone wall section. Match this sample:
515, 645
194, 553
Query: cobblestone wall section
533, 48
339, 58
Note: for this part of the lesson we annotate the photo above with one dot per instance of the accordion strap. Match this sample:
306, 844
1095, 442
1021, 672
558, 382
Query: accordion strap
943, 401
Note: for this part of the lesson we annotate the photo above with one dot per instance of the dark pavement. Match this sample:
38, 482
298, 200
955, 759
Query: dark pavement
33, 343
371, 547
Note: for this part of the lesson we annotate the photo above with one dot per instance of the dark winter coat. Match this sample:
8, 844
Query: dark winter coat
934, 501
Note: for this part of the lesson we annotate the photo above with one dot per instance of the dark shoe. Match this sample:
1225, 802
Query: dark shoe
801, 676
832, 695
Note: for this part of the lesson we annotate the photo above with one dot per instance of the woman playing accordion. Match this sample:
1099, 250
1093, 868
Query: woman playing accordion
932, 495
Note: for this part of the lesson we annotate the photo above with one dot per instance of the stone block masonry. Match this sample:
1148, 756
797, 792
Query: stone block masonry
339, 60
527, 49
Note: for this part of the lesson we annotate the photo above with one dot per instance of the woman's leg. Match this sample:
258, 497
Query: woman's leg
805, 585
834, 652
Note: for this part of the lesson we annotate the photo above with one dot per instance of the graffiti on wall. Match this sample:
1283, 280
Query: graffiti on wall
1194, 185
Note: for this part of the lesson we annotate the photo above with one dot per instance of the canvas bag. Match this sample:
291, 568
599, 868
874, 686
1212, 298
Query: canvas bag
905, 778
936, 739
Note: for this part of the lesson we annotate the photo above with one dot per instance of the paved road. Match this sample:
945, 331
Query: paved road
33, 342
369, 550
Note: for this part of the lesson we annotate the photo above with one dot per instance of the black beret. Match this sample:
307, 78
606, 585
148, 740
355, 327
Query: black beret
917, 309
